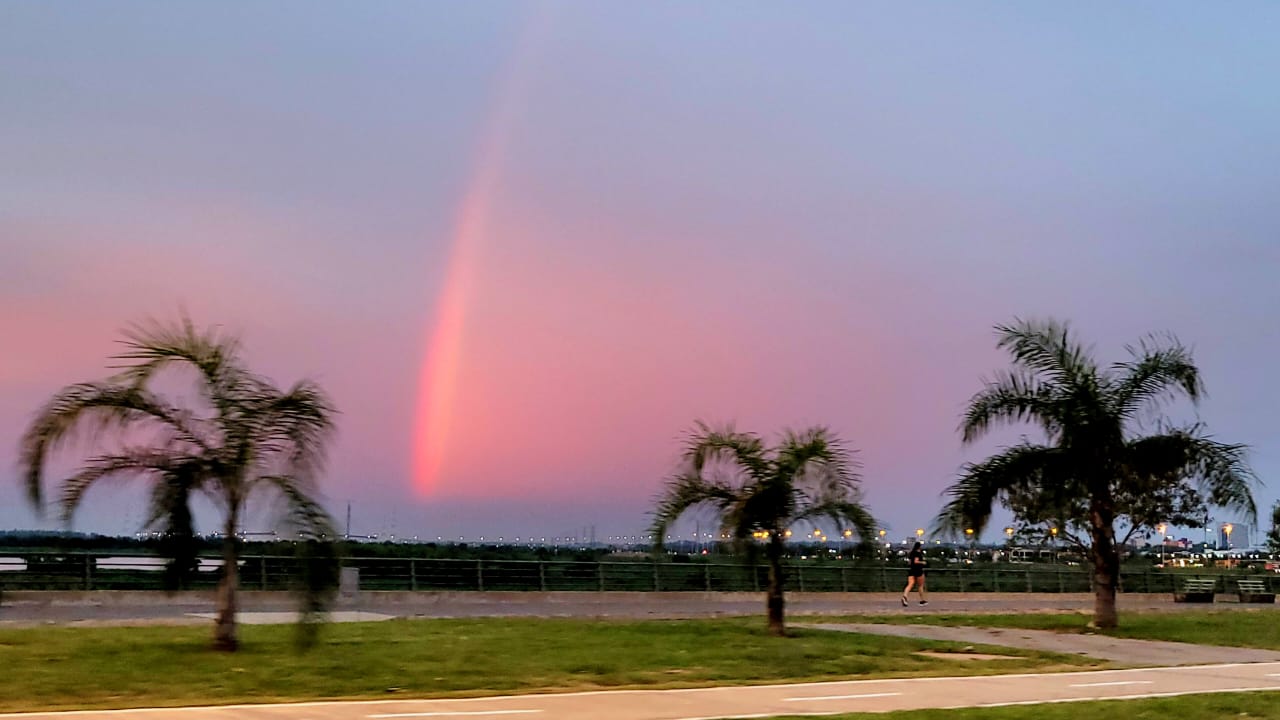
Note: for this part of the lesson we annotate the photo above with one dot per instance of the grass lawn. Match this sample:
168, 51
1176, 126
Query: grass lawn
1221, 705
1236, 628
60, 668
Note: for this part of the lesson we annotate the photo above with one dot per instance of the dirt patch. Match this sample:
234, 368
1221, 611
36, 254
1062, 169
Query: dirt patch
963, 655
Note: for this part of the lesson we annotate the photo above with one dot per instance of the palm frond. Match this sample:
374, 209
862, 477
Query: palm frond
302, 511
319, 565
290, 431
93, 408
1012, 397
706, 445
1219, 471
981, 485
817, 463
154, 345
1047, 347
1156, 371
128, 462
180, 478
684, 492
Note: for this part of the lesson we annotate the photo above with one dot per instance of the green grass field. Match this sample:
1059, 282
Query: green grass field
1264, 705
1234, 628
63, 668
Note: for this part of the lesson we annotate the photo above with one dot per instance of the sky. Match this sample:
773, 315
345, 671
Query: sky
525, 245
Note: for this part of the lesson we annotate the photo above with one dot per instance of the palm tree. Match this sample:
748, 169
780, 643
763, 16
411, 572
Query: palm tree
759, 492
236, 436
1096, 468
1273, 535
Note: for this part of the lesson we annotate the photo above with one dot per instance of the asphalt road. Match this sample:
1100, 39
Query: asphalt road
754, 701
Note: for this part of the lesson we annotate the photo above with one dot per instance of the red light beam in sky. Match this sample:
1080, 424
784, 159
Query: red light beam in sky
437, 388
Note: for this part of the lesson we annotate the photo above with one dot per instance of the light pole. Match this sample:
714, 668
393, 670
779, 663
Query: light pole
968, 534
1227, 529
1054, 532
884, 554
1160, 529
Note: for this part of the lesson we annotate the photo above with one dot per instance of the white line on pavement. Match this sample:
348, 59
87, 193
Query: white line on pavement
741, 716
458, 714
840, 697
1113, 684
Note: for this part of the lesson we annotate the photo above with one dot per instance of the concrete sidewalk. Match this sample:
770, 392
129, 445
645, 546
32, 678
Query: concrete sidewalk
1118, 650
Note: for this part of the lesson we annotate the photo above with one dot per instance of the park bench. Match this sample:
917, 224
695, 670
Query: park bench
1254, 590
1195, 590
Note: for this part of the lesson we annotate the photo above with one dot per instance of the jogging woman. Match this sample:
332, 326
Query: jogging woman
915, 574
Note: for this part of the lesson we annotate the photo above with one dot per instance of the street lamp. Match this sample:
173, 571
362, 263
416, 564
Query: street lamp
884, 556
1160, 529
968, 534
1227, 529
1054, 532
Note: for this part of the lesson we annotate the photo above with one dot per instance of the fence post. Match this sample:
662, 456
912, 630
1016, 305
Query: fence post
262, 571
657, 584
844, 579
995, 580
755, 577
413, 574
884, 579
480, 575
1061, 588
800, 576
600, 574
542, 575
88, 571
960, 573
706, 577
1029, 585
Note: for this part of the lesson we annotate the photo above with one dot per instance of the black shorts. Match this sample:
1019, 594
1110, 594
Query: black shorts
915, 572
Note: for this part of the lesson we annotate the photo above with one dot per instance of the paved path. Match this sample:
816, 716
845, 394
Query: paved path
755, 701
123, 608
1119, 650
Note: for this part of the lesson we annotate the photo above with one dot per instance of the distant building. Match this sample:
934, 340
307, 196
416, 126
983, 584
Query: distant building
1241, 535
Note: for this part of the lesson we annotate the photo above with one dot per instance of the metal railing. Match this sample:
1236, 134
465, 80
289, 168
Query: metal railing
100, 571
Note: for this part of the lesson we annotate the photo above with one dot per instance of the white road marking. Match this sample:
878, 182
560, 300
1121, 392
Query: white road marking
741, 717
1113, 684
458, 714
840, 697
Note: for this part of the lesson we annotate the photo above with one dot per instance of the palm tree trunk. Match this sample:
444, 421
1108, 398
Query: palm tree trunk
224, 631
1106, 566
774, 602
